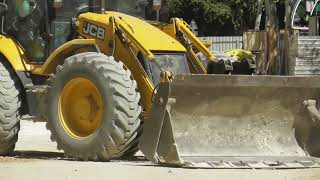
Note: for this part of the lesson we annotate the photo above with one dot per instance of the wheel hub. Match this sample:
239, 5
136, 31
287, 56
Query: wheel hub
80, 108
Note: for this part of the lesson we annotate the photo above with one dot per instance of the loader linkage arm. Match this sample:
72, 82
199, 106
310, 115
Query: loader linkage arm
181, 32
124, 33
190, 41
183, 27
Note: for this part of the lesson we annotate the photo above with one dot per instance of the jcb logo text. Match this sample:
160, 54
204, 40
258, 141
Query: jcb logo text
93, 30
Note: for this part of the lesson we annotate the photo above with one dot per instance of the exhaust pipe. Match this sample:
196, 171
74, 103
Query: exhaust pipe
103, 6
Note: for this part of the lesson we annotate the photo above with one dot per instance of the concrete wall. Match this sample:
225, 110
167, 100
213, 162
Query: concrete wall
305, 56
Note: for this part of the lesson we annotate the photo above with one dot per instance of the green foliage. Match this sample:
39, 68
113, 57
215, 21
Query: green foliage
216, 17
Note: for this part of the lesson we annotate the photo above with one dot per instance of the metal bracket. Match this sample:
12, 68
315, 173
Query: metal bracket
153, 125
313, 111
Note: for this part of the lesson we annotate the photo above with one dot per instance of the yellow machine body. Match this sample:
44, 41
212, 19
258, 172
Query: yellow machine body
191, 120
141, 37
14, 54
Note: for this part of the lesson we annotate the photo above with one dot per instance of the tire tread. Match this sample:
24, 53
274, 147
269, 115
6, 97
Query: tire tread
126, 110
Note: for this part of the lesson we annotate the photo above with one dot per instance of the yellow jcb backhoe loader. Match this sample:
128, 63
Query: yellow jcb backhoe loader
82, 67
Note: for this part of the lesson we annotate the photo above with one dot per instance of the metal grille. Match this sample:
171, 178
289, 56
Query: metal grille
224, 43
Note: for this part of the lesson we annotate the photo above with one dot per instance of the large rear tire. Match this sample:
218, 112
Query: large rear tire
9, 108
93, 110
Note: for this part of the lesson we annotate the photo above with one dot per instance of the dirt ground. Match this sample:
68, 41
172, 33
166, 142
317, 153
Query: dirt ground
36, 158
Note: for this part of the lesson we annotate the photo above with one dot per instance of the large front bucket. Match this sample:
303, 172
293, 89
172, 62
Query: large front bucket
220, 121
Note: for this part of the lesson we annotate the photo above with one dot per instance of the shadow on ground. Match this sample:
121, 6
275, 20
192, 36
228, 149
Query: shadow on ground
43, 155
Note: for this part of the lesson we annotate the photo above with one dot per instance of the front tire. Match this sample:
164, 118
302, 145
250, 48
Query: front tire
10, 104
93, 111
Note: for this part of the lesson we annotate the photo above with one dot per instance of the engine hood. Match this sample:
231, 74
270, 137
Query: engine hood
148, 36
